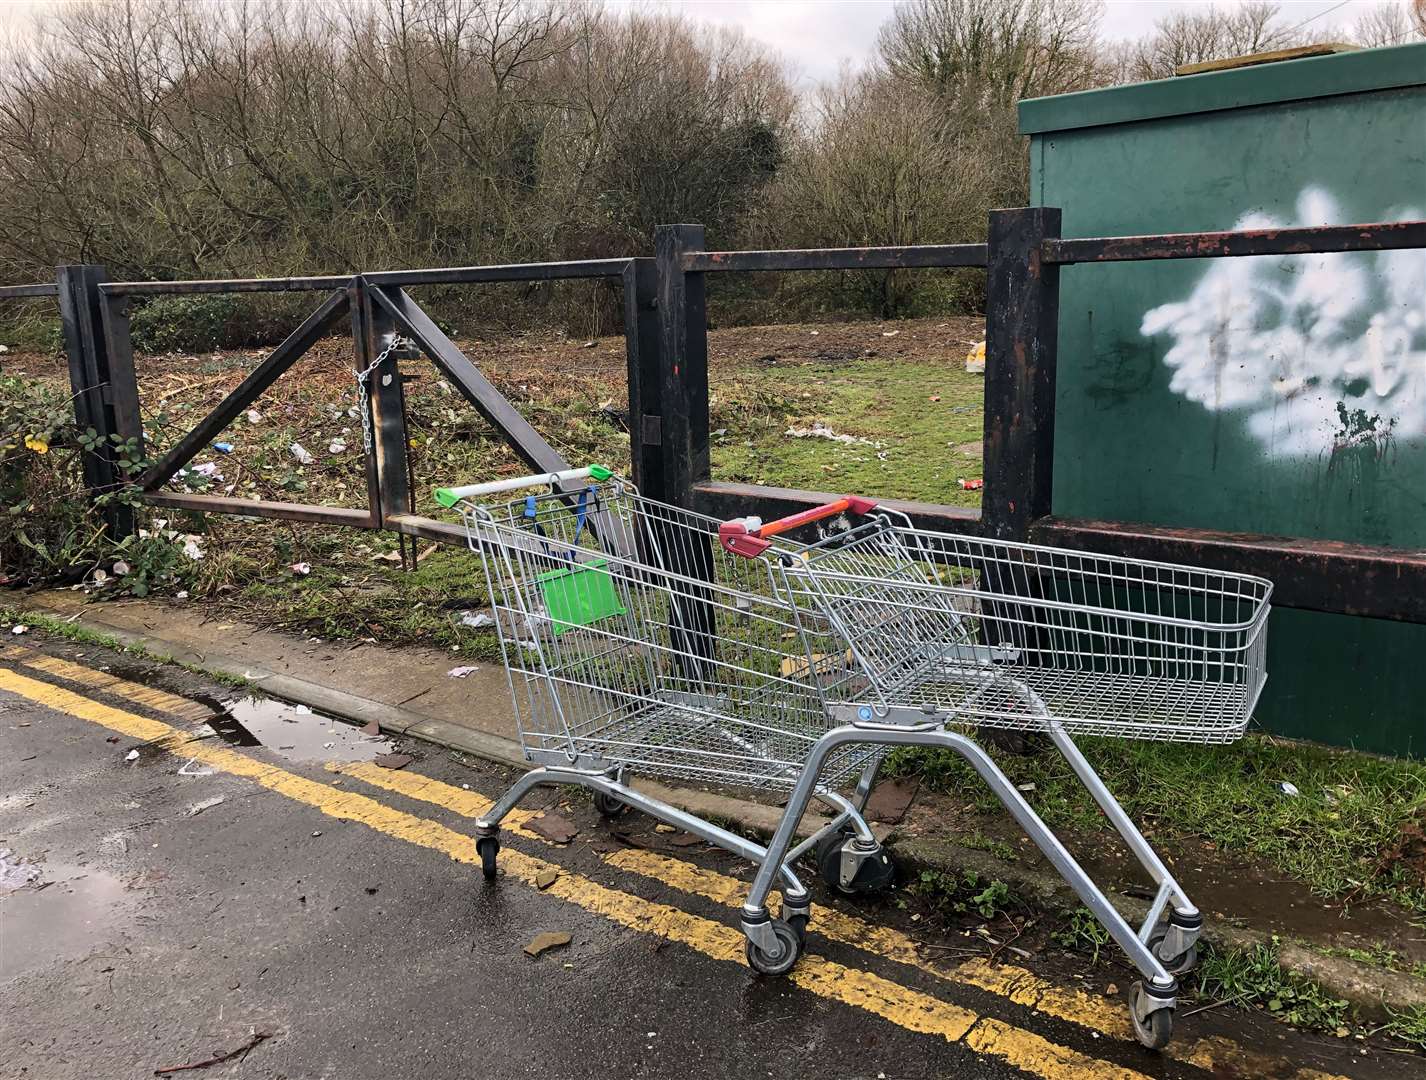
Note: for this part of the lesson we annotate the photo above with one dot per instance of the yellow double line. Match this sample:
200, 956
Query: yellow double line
903, 1006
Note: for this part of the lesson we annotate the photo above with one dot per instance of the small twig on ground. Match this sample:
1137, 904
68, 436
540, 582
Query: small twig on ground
254, 1039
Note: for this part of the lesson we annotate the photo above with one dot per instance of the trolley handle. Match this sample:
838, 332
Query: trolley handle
449, 496
748, 536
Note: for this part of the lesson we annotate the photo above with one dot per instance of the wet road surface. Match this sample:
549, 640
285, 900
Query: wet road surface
172, 891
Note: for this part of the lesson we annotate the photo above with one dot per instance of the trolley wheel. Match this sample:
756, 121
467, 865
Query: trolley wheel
487, 847
1184, 962
607, 805
781, 962
1156, 1029
875, 873
799, 927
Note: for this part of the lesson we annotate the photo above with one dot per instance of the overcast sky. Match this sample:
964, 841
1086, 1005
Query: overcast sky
817, 36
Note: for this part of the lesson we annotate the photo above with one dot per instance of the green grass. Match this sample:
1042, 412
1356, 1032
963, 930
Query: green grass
1352, 807
1380, 956
916, 448
1253, 978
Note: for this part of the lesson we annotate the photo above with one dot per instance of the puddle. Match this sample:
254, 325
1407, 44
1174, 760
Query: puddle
66, 914
295, 732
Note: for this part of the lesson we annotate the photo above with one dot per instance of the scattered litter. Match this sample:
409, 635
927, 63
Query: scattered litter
461, 672
302, 710
545, 878
301, 453
254, 417
975, 359
589, 344
208, 469
820, 430
19, 628
971, 485
133, 755
890, 333
192, 548
318, 832
192, 768
328, 745
15, 873
478, 619
934, 398
301, 569
548, 940
372, 729
393, 761
1287, 787
662, 828
182, 594
388, 556
337, 446
253, 1040
814, 333
223, 447
554, 827
1112, 990
1027, 788
207, 804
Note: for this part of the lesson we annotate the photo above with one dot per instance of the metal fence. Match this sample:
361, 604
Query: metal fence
665, 330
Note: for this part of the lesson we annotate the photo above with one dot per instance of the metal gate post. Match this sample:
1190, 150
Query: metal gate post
107, 404
643, 341
683, 363
1022, 327
374, 332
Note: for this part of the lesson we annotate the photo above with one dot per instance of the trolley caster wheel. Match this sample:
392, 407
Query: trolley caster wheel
487, 847
781, 962
1184, 962
1153, 1029
607, 805
798, 923
874, 874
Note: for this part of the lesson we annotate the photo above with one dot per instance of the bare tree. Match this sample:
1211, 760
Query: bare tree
1200, 35
1389, 23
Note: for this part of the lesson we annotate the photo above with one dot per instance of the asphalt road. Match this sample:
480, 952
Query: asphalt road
172, 906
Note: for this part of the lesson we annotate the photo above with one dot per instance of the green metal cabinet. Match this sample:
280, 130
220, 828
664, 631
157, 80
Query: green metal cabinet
1276, 395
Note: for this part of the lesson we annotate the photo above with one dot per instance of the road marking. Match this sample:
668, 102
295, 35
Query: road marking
1016, 984
138, 693
907, 1008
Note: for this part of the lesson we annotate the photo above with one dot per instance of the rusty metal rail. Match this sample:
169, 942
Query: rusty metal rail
665, 330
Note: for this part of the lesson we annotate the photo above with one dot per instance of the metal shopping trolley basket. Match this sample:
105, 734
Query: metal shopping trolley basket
634, 644
949, 634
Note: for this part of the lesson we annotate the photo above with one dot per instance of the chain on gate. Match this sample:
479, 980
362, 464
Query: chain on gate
364, 395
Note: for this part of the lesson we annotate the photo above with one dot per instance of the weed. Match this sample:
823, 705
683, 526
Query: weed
1378, 955
1253, 977
999, 848
1408, 1025
960, 894
1081, 932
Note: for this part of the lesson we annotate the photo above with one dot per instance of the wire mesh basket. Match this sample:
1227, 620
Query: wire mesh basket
632, 639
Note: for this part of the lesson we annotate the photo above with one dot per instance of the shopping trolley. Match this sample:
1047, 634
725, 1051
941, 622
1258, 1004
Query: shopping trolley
950, 634
635, 645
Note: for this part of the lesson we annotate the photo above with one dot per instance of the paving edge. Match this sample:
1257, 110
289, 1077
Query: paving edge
1374, 991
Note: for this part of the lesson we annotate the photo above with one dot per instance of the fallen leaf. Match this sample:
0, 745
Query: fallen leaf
548, 940
661, 827
545, 878
393, 761
372, 728
685, 840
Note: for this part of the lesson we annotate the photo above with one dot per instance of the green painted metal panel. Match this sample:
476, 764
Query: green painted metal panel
1281, 395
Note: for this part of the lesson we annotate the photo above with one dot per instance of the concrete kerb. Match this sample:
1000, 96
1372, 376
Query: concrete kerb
1374, 991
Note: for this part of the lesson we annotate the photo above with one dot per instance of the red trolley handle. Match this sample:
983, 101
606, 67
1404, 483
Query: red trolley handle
748, 537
